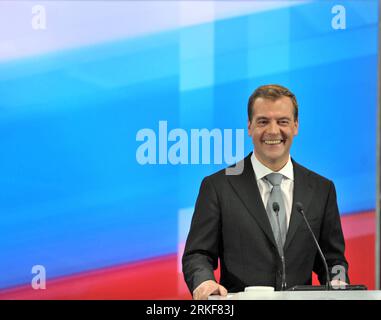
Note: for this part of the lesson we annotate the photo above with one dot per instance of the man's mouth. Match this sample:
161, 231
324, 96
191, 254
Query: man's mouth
273, 141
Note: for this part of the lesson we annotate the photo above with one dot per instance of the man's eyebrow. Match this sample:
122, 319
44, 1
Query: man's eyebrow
261, 118
266, 118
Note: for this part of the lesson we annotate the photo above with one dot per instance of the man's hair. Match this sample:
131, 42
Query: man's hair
272, 92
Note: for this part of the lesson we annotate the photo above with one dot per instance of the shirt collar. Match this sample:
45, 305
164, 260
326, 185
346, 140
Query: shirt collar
261, 170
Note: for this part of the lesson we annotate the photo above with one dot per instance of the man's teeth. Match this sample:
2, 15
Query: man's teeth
273, 141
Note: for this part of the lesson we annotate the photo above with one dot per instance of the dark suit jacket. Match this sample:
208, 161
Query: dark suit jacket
230, 223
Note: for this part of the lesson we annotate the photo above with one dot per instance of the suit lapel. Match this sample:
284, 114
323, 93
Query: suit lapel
245, 185
302, 193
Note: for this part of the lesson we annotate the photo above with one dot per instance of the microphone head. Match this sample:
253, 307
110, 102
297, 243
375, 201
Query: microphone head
299, 206
276, 206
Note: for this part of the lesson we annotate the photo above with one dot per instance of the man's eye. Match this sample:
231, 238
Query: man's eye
261, 122
284, 122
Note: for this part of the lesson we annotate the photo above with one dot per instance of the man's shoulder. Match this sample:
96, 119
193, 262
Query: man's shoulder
217, 177
236, 169
312, 175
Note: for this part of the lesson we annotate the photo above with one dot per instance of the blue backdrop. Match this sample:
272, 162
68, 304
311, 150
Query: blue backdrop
73, 196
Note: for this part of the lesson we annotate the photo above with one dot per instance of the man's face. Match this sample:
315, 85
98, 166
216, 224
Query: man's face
272, 129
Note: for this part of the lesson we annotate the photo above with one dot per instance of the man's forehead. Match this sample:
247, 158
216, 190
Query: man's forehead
263, 106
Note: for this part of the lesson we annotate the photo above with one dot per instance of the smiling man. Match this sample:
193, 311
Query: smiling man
272, 126
250, 222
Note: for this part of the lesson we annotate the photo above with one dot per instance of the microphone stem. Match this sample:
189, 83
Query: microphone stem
284, 284
328, 281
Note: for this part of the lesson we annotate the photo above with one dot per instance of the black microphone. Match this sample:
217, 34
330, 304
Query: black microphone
299, 208
284, 283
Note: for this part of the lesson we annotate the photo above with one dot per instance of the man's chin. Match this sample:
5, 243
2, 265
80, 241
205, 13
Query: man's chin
272, 156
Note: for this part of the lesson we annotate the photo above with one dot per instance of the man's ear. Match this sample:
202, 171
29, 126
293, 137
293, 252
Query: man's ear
296, 127
248, 126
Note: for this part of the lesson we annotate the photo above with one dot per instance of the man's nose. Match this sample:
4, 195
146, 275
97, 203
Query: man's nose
273, 127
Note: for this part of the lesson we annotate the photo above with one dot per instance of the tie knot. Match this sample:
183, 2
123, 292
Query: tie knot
274, 178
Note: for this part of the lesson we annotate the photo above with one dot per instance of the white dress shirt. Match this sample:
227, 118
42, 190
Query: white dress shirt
265, 187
